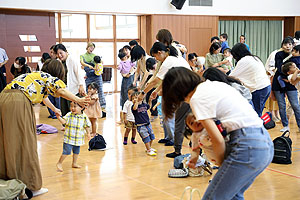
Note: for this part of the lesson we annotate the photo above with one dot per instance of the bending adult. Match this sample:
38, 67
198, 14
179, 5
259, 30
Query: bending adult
286, 89
19, 67
249, 149
214, 58
251, 72
164, 36
20, 159
74, 76
88, 63
169, 58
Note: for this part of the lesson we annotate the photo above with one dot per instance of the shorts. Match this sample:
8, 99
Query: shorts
146, 133
130, 125
67, 148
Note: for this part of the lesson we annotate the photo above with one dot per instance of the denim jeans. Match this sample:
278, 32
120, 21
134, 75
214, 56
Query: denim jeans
169, 126
55, 102
248, 152
293, 99
259, 98
126, 83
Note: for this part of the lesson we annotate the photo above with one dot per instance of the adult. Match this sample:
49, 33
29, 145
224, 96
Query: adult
214, 58
19, 159
74, 76
164, 36
214, 39
243, 41
249, 149
286, 89
19, 67
133, 43
169, 58
3, 61
88, 63
251, 72
53, 55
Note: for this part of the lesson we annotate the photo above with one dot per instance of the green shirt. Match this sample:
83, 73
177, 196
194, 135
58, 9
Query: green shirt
88, 58
210, 60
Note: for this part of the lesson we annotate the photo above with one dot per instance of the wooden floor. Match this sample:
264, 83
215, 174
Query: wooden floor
126, 172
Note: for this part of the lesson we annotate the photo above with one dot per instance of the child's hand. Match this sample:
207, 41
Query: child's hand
57, 112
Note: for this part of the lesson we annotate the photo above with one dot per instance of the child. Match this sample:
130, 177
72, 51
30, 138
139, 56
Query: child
125, 67
99, 65
144, 128
224, 43
75, 123
296, 56
93, 111
229, 57
128, 117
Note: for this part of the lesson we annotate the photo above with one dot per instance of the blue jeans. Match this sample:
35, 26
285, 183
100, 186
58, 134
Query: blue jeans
146, 133
99, 81
126, 83
293, 99
248, 152
67, 148
56, 103
169, 126
259, 98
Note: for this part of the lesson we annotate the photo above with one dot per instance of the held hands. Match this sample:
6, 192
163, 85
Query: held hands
84, 101
57, 112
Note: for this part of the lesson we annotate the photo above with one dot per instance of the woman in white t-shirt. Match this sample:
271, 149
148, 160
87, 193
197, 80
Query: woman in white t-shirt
249, 150
251, 72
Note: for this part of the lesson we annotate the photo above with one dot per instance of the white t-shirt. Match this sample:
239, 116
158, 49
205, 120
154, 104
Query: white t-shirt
169, 62
297, 84
251, 71
127, 109
213, 99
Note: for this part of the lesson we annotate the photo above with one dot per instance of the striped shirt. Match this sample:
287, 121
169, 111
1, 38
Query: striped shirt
75, 128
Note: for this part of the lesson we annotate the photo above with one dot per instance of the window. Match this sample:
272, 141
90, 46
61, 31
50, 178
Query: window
127, 27
75, 49
73, 26
31, 38
105, 50
101, 26
32, 49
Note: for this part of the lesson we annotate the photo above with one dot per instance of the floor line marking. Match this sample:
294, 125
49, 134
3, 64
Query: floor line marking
134, 179
284, 173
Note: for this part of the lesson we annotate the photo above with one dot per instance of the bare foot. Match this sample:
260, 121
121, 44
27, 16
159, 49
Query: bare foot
76, 166
59, 167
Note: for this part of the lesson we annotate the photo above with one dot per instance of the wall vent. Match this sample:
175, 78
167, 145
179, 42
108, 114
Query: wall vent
200, 2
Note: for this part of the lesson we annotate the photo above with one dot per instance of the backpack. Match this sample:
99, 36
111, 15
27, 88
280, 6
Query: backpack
11, 189
97, 142
268, 122
282, 149
45, 129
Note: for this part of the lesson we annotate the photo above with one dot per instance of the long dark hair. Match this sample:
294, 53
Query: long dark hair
213, 47
177, 84
54, 68
159, 46
137, 53
239, 51
213, 74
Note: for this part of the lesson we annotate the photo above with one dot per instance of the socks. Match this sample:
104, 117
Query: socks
133, 141
125, 140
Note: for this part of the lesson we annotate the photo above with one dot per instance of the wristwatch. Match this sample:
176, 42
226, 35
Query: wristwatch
143, 93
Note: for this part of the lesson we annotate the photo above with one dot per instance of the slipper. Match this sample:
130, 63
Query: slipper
39, 192
178, 173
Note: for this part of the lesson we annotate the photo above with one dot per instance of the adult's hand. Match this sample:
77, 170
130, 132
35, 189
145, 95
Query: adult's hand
57, 112
84, 101
81, 90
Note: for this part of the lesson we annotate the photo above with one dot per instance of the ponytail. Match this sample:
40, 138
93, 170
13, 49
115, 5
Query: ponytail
158, 46
172, 51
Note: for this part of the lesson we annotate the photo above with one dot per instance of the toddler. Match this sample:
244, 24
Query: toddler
128, 117
144, 128
229, 57
98, 66
93, 111
76, 122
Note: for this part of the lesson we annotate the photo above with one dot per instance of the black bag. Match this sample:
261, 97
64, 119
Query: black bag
97, 142
282, 149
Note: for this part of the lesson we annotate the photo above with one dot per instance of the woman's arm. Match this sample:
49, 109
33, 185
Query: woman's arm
217, 139
48, 103
62, 92
137, 73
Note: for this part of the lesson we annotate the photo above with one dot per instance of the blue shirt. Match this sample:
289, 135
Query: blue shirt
247, 46
140, 114
224, 45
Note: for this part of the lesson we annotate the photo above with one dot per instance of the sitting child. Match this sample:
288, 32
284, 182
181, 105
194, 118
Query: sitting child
76, 122
144, 128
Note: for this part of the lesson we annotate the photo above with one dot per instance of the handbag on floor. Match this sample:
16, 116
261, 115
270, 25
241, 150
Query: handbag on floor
283, 149
191, 192
97, 142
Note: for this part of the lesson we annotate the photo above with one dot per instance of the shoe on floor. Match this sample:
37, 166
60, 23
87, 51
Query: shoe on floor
39, 192
133, 141
151, 153
125, 142
286, 128
178, 173
152, 150
169, 143
173, 155
163, 141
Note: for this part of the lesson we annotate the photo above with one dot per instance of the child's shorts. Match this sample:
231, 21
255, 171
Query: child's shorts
67, 148
146, 133
130, 125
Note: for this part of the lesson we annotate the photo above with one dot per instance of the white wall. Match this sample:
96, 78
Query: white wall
220, 7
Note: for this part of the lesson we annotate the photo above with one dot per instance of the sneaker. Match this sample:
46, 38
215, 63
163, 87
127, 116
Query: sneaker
286, 128
169, 143
151, 153
152, 150
178, 173
125, 142
133, 141
173, 155
163, 141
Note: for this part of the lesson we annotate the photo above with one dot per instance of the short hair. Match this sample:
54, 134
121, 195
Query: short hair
239, 51
243, 36
80, 96
224, 35
54, 68
133, 43
175, 90
297, 48
52, 47
90, 44
132, 87
297, 35
213, 47
287, 40
93, 85
127, 47
164, 36
150, 62
136, 53
214, 38
45, 57
97, 59
61, 47
159, 46
191, 56
121, 55
286, 67
22, 60
227, 49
